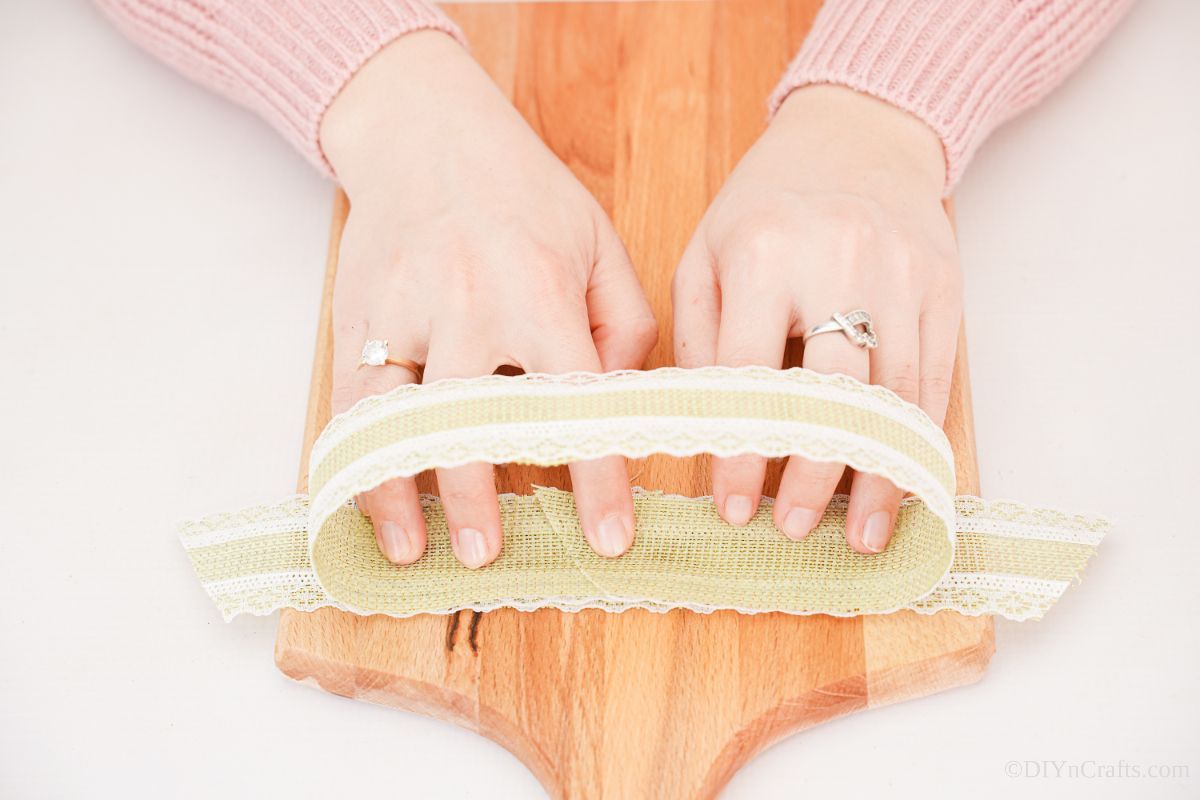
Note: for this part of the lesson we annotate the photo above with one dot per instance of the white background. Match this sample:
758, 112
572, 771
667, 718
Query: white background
160, 264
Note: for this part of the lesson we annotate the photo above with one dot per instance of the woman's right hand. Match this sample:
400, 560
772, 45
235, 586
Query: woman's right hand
468, 246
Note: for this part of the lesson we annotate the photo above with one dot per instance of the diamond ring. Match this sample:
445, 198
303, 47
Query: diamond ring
856, 325
375, 354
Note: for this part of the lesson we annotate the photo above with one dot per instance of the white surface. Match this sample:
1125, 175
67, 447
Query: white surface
173, 247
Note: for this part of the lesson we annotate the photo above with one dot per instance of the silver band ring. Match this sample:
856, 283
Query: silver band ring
375, 354
856, 325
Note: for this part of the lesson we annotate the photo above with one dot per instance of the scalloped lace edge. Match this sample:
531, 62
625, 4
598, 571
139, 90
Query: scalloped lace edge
1015, 597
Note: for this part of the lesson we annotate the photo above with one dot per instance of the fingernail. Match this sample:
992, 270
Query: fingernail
738, 509
396, 542
799, 522
612, 536
875, 532
472, 547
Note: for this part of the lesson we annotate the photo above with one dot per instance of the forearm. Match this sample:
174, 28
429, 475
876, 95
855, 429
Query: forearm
961, 66
284, 59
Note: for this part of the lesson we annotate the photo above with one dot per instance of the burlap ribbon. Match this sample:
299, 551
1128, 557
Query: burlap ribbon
959, 553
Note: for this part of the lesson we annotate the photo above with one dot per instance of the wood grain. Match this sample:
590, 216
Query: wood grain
650, 104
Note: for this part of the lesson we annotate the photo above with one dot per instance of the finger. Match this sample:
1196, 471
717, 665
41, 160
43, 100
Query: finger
804, 491
874, 500
696, 303
939, 346
623, 328
753, 330
603, 498
394, 507
807, 486
468, 492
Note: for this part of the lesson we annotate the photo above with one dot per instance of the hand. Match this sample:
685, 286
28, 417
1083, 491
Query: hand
836, 207
469, 246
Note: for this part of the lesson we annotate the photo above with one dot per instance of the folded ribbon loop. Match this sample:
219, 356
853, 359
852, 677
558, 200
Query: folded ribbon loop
309, 552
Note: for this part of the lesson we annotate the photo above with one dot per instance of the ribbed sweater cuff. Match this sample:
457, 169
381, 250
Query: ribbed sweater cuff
285, 59
962, 66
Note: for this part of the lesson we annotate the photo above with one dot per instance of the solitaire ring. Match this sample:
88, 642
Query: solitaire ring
375, 354
856, 325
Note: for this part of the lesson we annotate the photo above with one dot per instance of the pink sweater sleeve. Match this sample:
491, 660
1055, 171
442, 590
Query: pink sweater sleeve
962, 66
284, 59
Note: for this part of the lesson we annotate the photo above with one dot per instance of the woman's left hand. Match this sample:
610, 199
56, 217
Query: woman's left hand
836, 207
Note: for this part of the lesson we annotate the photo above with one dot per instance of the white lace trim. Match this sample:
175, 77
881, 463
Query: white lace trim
972, 594
793, 382
679, 437
1026, 523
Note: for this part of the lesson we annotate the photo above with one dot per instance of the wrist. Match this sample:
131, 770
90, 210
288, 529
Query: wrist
836, 126
399, 103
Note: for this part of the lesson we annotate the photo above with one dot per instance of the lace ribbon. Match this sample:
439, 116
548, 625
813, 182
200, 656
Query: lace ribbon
948, 552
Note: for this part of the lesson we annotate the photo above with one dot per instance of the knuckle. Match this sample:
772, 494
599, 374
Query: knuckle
936, 383
741, 355
833, 357
824, 471
466, 495
739, 470
392, 492
762, 239
814, 477
746, 461
553, 290
903, 382
385, 507
374, 381
848, 226
343, 396
760, 242
644, 332
465, 280
849, 220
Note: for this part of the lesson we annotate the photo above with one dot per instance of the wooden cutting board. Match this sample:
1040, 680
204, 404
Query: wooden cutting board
650, 104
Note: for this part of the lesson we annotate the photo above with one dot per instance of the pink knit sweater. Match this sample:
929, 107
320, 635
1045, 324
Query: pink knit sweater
962, 66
